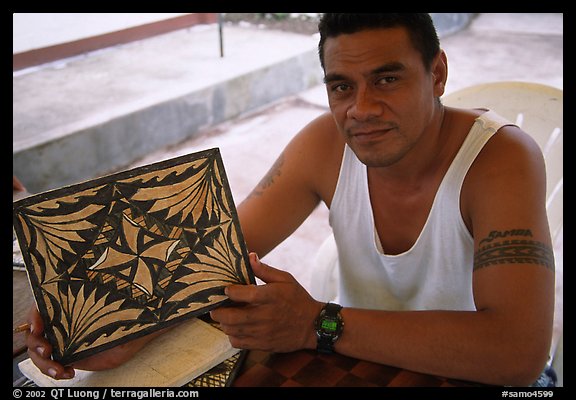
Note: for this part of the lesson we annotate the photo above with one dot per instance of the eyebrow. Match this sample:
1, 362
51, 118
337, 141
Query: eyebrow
386, 68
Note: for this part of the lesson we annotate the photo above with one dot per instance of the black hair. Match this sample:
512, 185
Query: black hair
419, 25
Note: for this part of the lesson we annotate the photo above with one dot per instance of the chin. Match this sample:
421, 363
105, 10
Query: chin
374, 159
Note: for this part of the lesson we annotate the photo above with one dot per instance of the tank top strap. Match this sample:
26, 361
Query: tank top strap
484, 127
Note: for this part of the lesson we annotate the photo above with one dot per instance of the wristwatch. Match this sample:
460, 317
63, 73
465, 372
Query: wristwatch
329, 325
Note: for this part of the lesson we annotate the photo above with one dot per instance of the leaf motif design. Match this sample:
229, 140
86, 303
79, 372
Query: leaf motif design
214, 269
85, 315
217, 263
115, 333
58, 237
52, 256
42, 274
208, 280
220, 258
55, 232
190, 197
77, 218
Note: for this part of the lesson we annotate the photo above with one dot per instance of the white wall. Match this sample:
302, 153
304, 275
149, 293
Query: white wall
37, 30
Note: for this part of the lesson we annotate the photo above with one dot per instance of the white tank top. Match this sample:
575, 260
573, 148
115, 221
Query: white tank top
436, 272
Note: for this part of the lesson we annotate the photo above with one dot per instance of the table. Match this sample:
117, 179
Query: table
306, 368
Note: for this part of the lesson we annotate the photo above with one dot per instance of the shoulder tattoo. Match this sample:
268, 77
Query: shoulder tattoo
496, 248
269, 178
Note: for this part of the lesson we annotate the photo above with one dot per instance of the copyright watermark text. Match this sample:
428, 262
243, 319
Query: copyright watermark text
103, 393
527, 394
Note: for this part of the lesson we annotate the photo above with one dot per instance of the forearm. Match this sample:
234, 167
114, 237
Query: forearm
476, 346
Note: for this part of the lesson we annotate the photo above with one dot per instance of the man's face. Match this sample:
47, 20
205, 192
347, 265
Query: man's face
380, 93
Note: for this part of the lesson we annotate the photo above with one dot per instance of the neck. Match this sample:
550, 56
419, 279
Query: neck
424, 158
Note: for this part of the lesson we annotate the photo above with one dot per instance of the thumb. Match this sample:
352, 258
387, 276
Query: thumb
267, 273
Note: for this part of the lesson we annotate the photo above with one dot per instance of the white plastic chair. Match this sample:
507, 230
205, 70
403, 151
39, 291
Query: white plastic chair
538, 110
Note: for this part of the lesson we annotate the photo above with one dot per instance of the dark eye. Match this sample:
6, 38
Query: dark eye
386, 79
340, 88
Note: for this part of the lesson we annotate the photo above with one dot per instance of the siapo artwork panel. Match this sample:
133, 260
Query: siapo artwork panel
121, 256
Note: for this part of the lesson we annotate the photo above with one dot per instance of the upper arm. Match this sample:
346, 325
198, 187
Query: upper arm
506, 195
292, 187
504, 201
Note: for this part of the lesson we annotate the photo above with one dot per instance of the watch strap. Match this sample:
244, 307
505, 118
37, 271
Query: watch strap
325, 345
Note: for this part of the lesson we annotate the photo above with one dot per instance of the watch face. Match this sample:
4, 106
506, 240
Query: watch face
329, 325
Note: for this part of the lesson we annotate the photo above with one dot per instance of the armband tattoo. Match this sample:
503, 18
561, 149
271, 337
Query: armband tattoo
513, 251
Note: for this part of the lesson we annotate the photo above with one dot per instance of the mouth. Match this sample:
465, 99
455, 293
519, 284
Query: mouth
369, 136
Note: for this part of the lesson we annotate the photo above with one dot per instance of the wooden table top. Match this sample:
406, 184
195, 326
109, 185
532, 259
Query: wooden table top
306, 368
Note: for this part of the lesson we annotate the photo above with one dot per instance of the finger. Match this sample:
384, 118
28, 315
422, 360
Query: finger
229, 315
38, 346
17, 185
252, 294
39, 351
247, 342
35, 321
241, 293
267, 273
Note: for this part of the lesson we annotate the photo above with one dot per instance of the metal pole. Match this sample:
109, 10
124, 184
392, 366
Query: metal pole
220, 34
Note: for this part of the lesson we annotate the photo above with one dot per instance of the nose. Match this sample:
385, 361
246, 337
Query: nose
364, 107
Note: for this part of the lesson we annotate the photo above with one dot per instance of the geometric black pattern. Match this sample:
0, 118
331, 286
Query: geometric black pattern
514, 251
222, 375
124, 255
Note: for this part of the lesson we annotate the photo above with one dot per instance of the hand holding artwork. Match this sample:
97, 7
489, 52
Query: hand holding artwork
40, 350
278, 316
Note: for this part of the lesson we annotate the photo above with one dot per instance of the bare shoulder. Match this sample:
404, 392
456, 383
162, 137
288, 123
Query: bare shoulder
505, 187
510, 150
318, 148
508, 138
323, 134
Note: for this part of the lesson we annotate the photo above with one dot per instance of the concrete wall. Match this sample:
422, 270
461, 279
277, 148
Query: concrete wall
102, 148
38, 38
96, 149
32, 31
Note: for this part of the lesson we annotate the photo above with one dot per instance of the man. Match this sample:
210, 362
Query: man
444, 250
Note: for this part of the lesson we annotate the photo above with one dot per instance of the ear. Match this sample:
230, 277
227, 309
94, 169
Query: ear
440, 73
